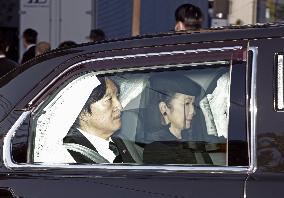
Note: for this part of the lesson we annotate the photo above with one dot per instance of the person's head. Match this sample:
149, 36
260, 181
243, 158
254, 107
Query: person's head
96, 35
66, 44
176, 95
42, 47
188, 17
101, 113
29, 37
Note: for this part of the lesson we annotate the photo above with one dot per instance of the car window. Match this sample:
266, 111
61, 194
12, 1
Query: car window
189, 114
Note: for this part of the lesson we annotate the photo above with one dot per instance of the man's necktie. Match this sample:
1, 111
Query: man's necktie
114, 149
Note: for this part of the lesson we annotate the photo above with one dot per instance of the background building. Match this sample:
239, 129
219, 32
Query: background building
61, 20
247, 11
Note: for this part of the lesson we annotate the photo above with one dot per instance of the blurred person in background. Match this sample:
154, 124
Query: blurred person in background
66, 44
188, 17
96, 35
42, 47
29, 40
13, 47
6, 64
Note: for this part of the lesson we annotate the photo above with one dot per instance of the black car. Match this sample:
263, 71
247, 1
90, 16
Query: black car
182, 114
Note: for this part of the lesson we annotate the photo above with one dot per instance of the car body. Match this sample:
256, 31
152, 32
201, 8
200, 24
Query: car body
247, 149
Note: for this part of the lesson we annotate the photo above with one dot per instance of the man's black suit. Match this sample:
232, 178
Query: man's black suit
29, 54
76, 137
6, 65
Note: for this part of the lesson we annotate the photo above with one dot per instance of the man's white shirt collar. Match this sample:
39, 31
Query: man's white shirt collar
101, 145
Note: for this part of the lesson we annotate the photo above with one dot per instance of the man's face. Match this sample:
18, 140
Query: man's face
104, 118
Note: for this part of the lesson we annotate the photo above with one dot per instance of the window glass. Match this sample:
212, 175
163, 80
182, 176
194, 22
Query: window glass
179, 114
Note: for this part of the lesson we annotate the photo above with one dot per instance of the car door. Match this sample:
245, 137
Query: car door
36, 163
268, 125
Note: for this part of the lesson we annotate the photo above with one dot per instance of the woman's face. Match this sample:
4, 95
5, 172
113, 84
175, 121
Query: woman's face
181, 111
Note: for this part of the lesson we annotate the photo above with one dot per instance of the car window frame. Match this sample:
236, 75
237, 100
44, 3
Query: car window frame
7, 156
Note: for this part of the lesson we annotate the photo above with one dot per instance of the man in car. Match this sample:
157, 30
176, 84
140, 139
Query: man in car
90, 139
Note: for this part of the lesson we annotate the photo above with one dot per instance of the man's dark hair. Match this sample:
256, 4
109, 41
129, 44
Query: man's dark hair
97, 35
30, 36
97, 94
190, 15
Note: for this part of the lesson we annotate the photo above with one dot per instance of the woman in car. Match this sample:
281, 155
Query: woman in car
172, 107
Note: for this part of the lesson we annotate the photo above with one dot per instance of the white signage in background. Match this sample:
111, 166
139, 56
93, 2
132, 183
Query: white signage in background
280, 96
35, 14
57, 20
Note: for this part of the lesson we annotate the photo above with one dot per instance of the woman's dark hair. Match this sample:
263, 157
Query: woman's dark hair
164, 87
167, 97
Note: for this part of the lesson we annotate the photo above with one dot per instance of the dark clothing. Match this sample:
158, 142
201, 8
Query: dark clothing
165, 135
29, 54
75, 136
168, 152
167, 149
6, 65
